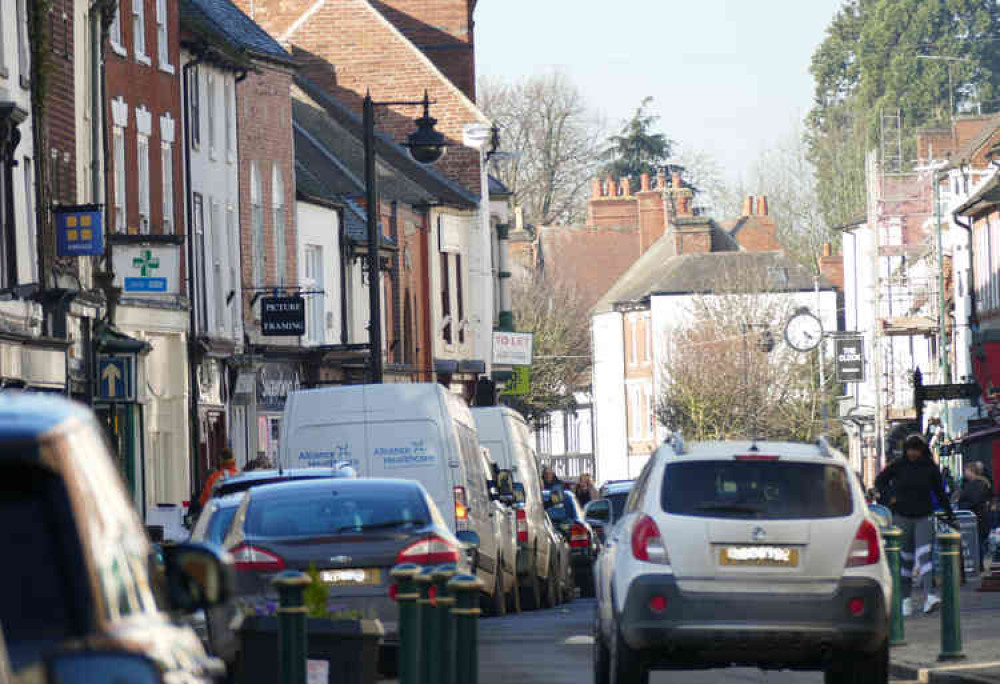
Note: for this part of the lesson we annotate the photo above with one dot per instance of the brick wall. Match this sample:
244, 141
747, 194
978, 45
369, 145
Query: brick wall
692, 241
412, 285
141, 85
264, 125
652, 218
349, 48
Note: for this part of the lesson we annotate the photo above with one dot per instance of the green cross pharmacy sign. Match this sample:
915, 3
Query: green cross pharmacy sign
147, 269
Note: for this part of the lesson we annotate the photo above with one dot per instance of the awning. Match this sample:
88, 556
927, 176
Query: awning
113, 341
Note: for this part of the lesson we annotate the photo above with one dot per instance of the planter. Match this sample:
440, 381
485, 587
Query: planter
347, 650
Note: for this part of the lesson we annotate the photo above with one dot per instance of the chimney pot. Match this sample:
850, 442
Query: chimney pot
612, 187
684, 205
644, 183
595, 188
627, 186
762, 205
827, 249
661, 180
675, 180
748, 205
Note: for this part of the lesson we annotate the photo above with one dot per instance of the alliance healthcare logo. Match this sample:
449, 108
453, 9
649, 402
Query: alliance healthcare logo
413, 454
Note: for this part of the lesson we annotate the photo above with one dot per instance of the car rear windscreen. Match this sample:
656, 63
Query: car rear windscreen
331, 511
767, 490
219, 524
617, 504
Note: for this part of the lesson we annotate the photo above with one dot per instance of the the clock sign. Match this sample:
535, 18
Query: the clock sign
804, 331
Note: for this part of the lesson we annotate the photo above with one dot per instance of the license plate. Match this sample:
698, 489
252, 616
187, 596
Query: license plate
353, 577
759, 555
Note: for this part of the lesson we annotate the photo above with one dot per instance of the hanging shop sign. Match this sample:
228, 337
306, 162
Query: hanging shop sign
283, 316
274, 382
79, 230
147, 270
850, 357
512, 348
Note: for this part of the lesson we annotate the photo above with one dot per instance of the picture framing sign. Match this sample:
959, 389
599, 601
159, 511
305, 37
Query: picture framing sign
849, 353
144, 270
512, 348
283, 316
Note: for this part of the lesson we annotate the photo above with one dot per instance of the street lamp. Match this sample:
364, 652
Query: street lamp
426, 146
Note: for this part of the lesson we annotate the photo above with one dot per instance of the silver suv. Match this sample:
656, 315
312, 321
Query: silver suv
734, 553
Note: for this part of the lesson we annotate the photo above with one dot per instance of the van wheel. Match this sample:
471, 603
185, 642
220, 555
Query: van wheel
531, 593
514, 597
498, 602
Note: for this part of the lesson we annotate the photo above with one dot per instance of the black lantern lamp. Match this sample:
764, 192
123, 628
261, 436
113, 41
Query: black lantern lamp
426, 144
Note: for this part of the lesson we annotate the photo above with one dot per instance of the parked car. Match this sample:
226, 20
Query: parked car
504, 432
420, 432
602, 514
503, 517
85, 568
559, 585
735, 553
564, 511
352, 531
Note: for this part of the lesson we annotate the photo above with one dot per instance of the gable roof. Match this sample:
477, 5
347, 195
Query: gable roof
591, 258
659, 273
967, 151
341, 131
227, 23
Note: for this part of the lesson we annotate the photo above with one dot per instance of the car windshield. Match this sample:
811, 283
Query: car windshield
617, 504
325, 511
771, 490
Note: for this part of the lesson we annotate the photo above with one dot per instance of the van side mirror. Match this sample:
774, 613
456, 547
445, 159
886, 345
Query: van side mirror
519, 495
598, 512
198, 576
505, 482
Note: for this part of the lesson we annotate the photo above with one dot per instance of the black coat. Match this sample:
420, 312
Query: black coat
909, 487
975, 495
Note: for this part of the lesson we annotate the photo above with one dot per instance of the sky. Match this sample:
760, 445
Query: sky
728, 77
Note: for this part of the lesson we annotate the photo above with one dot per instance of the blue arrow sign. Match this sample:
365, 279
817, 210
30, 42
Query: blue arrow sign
114, 378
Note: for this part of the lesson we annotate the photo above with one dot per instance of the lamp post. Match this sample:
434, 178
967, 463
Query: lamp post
426, 146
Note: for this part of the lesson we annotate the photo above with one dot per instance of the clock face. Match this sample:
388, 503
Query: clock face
804, 331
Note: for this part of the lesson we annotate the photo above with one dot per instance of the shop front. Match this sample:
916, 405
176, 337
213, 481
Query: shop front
213, 435
258, 401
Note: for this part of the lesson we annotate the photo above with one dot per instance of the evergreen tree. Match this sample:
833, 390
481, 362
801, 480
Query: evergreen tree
637, 149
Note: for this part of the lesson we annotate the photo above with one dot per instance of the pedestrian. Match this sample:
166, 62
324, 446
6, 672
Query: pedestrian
975, 496
584, 490
226, 469
913, 482
549, 479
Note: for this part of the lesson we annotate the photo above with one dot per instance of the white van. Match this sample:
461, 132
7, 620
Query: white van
411, 431
505, 433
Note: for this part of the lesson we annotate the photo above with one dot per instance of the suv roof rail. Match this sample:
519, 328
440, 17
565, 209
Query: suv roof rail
828, 450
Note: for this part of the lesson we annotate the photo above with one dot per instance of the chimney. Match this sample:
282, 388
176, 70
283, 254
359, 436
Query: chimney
661, 180
595, 188
644, 184
684, 205
612, 187
675, 180
762, 205
627, 186
747, 206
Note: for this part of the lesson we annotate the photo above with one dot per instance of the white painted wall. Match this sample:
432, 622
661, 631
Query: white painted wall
611, 448
463, 227
319, 228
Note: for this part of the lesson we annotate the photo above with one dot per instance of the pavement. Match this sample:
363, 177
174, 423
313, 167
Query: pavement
918, 659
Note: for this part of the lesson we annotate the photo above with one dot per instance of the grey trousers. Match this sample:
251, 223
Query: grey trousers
916, 559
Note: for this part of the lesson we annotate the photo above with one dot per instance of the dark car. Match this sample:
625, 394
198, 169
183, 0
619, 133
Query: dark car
565, 513
352, 531
252, 478
85, 569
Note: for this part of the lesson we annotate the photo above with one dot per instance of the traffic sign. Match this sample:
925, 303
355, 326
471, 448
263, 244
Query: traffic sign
115, 378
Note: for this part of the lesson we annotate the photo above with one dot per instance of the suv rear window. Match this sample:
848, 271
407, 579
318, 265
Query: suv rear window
768, 490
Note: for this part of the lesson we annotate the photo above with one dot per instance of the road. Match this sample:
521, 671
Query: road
554, 647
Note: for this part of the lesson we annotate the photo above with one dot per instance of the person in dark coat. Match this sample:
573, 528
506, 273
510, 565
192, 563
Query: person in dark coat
912, 485
975, 496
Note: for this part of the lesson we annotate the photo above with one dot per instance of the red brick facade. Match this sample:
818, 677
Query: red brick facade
408, 300
264, 129
157, 91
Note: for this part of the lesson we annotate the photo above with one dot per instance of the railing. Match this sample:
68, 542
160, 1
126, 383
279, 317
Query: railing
568, 465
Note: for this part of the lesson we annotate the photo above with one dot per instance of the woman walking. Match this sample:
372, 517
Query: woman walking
911, 484
975, 496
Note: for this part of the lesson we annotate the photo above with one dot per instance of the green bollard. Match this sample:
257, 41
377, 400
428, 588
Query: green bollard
465, 589
293, 642
444, 601
951, 628
409, 622
897, 635
430, 667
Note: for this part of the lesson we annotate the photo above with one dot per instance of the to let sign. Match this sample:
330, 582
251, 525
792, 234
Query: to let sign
850, 353
512, 348
283, 316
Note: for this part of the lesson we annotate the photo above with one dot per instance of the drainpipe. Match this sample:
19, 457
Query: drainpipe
192, 316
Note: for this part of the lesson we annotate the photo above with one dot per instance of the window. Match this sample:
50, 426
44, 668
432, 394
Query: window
220, 270
116, 30
167, 168
234, 258
633, 332
228, 98
278, 209
210, 111
142, 154
23, 60
139, 29
162, 36
315, 306
446, 298
201, 310
194, 107
257, 221
647, 338
460, 309
121, 205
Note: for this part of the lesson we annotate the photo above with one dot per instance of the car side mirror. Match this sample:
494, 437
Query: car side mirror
598, 512
198, 576
469, 539
102, 667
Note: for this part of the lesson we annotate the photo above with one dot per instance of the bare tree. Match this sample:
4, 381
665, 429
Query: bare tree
555, 312
553, 139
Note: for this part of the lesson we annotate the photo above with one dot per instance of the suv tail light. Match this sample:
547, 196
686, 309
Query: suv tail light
522, 526
461, 504
647, 545
432, 550
252, 559
864, 548
579, 537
